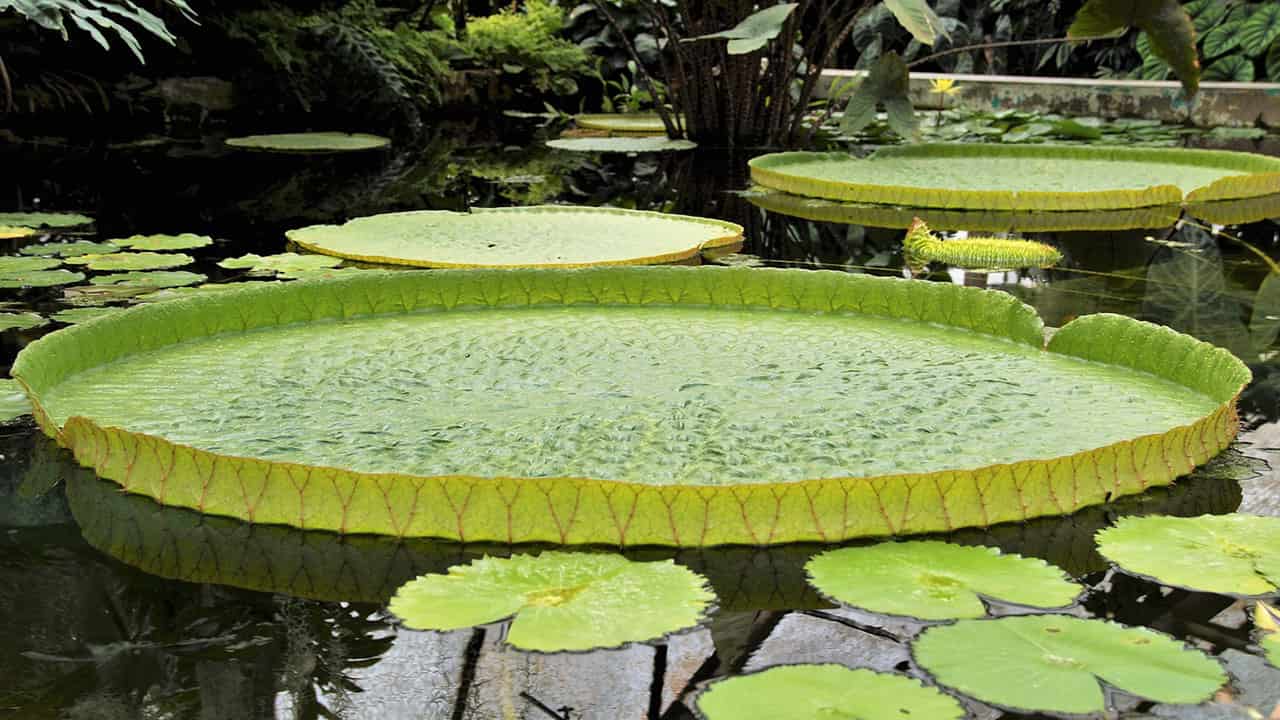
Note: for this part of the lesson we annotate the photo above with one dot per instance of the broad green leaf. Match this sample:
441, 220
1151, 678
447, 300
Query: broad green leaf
1222, 39
559, 601
286, 265
13, 401
1273, 62
131, 261
173, 293
639, 123
1266, 623
539, 236
918, 18
1260, 30
1054, 663
936, 580
9, 232
1206, 14
755, 31
40, 278
21, 321
316, 143
813, 692
185, 241
1186, 289
12, 264
44, 220
621, 144
887, 83
1074, 129
70, 249
1226, 554
150, 279
1172, 35
1232, 68
72, 316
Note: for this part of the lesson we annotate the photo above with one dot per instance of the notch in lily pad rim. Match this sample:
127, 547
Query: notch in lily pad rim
344, 241
1253, 175
314, 143
629, 513
622, 144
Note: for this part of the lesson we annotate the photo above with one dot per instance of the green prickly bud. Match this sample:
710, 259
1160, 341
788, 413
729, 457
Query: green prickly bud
986, 253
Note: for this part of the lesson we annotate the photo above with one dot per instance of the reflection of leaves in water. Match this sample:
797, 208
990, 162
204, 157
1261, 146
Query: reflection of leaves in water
1187, 291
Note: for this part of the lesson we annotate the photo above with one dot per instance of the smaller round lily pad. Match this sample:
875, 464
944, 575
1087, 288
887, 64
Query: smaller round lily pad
933, 580
9, 232
20, 321
74, 316
39, 278
286, 265
70, 249
174, 293
44, 220
1056, 663
132, 261
1227, 554
13, 264
153, 279
621, 144
310, 143
1266, 621
636, 123
817, 692
185, 241
559, 601
13, 401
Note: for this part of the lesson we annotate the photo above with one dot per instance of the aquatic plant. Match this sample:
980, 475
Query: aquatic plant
621, 144
9, 232
184, 241
94, 17
1266, 622
559, 601
44, 220
310, 143
70, 248
1228, 554
13, 402
71, 316
524, 42
624, 123
805, 692
39, 278
131, 261
20, 321
922, 247
284, 265
150, 278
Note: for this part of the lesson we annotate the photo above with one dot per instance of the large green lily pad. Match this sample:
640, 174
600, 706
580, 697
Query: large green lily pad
44, 220
70, 248
1044, 177
39, 278
677, 406
539, 236
935, 580
15, 264
311, 143
559, 601
287, 265
1229, 554
636, 123
20, 321
621, 144
817, 692
1055, 663
184, 241
13, 402
132, 261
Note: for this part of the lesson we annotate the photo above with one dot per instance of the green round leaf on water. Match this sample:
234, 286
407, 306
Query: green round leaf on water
622, 122
72, 316
539, 236
310, 143
1055, 663
39, 278
661, 405
70, 249
1229, 554
1266, 623
44, 220
13, 401
559, 601
132, 261
13, 264
283, 264
621, 144
150, 279
173, 293
9, 232
933, 580
818, 692
20, 321
185, 241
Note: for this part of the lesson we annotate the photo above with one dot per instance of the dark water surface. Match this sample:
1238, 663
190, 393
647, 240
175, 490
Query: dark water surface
114, 607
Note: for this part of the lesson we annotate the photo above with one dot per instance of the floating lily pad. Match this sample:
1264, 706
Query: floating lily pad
559, 601
13, 401
1055, 663
95, 295
40, 278
13, 264
1021, 177
70, 249
9, 232
20, 321
313, 143
151, 279
1228, 554
285, 265
670, 406
937, 580
1266, 620
816, 692
185, 241
172, 293
621, 144
637, 123
132, 261
44, 220
539, 236
72, 316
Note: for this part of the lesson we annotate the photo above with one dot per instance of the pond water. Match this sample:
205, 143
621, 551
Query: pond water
114, 607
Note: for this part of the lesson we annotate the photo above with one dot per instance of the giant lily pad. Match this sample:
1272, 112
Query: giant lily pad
185, 241
1228, 554
284, 264
132, 261
44, 220
39, 278
70, 249
559, 601
676, 406
812, 692
13, 402
1013, 177
635, 123
936, 580
621, 144
312, 143
540, 236
20, 321
1055, 663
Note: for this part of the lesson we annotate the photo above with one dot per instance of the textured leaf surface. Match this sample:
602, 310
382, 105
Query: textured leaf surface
1232, 68
1042, 177
621, 144
622, 122
72, 316
44, 220
185, 241
312, 143
809, 692
559, 601
1053, 663
1260, 30
667, 431
14, 264
284, 264
70, 249
755, 30
132, 261
1228, 554
918, 18
20, 321
1172, 36
541, 236
936, 580
150, 278
39, 278
13, 402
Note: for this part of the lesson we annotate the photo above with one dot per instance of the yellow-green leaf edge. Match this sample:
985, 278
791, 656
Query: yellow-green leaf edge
1262, 178
590, 511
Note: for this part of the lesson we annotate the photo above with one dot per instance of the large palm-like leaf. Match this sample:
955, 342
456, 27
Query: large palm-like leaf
98, 18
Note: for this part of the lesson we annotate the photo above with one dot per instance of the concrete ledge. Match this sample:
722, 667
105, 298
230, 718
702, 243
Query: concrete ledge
1217, 103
